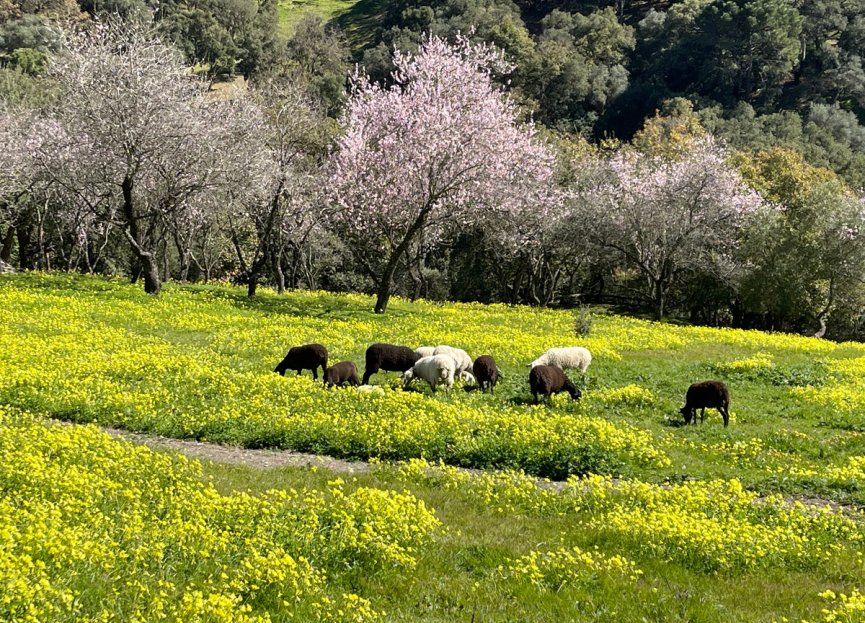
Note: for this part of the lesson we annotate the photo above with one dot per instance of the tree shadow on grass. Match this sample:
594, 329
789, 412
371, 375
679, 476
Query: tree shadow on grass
300, 304
361, 23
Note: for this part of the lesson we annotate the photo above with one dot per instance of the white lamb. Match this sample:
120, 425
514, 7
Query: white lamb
464, 362
572, 357
467, 377
434, 370
425, 351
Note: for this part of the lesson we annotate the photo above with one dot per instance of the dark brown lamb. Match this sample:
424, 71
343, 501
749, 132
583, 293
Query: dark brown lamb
706, 395
341, 373
486, 373
306, 357
548, 380
388, 357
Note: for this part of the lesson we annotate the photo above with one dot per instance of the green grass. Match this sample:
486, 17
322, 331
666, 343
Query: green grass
197, 362
359, 20
457, 578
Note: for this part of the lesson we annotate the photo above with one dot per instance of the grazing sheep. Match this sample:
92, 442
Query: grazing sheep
573, 357
425, 351
388, 357
467, 377
306, 357
486, 372
547, 380
464, 362
707, 394
434, 370
341, 373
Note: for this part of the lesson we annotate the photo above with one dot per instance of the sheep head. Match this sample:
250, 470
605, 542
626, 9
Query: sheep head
408, 377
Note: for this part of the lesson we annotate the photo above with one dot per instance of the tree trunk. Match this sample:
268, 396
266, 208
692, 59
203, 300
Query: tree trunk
184, 267
146, 260
822, 330
152, 283
25, 256
384, 286
166, 270
660, 300
277, 269
8, 241
184, 257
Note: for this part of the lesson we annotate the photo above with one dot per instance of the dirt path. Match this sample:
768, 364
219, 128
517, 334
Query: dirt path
270, 459
235, 455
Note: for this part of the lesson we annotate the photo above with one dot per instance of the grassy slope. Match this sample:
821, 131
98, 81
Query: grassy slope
456, 579
358, 19
290, 12
199, 365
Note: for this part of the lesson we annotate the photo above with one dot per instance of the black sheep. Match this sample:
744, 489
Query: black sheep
341, 373
388, 357
306, 357
486, 373
707, 394
547, 380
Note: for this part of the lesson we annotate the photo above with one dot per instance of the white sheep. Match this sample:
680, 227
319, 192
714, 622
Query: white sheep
425, 351
464, 362
467, 377
572, 357
434, 370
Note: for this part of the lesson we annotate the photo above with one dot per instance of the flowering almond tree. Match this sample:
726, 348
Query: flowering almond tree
441, 148
663, 214
136, 139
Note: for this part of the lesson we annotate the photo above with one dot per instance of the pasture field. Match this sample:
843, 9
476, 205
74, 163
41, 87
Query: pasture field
290, 12
654, 521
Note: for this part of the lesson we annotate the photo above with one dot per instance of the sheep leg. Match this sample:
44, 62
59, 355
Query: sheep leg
368, 373
726, 415
315, 373
702, 414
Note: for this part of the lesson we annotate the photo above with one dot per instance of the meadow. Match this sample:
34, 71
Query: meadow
650, 520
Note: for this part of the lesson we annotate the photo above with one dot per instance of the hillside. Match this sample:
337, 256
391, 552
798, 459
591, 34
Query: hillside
197, 363
688, 529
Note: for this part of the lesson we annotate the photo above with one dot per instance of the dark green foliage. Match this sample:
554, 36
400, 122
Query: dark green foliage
30, 31
833, 44
318, 55
228, 36
766, 72
18, 87
826, 135
745, 49
579, 66
29, 61
202, 38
